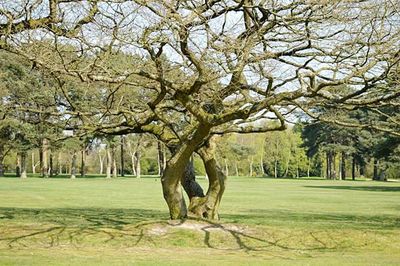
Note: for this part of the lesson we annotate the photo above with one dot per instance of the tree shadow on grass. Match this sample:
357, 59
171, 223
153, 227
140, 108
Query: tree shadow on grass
361, 188
110, 228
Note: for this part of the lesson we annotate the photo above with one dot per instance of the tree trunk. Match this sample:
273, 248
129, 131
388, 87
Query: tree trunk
23, 164
138, 166
382, 175
59, 163
276, 169
334, 173
343, 166
261, 165
362, 170
101, 162
308, 166
73, 165
353, 169
207, 206
45, 150
33, 163
1, 161
18, 165
51, 169
83, 162
133, 161
109, 162
41, 159
114, 169
376, 172
191, 187
122, 156
236, 169
175, 171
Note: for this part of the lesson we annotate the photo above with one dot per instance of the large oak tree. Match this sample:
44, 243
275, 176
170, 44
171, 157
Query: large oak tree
191, 70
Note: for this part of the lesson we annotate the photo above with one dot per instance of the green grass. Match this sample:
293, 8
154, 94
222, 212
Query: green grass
124, 221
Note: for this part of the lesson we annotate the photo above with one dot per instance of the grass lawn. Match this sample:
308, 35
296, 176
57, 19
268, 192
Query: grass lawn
124, 221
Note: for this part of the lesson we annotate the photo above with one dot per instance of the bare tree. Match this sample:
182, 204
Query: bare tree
187, 70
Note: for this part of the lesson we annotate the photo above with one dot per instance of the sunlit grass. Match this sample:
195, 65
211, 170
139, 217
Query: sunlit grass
264, 221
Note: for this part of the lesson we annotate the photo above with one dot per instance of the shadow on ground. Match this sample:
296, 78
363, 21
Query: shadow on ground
65, 227
361, 188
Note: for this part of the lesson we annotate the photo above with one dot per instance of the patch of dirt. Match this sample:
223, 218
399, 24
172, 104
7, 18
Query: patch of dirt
162, 229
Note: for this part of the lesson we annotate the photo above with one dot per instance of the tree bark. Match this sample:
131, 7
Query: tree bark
236, 169
23, 164
33, 162
137, 164
343, 166
51, 164
207, 206
18, 165
122, 149
334, 173
41, 158
353, 169
73, 165
114, 165
376, 172
45, 150
109, 162
175, 171
1, 162
261, 165
251, 166
101, 163
276, 169
83, 162
189, 184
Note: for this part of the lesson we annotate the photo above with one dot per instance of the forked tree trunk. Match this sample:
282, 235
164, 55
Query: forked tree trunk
207, 206
189, 184
175, 170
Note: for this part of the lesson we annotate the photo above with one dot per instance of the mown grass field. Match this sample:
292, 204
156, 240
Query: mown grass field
124, 221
